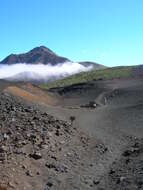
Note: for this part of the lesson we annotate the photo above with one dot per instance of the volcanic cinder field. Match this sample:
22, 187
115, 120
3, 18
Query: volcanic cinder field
84, 136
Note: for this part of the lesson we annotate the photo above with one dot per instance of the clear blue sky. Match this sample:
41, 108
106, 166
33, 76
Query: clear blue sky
106, 31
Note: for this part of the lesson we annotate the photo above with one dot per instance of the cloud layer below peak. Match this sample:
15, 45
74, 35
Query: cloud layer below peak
40, 72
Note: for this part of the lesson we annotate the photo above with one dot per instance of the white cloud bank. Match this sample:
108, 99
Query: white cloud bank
40, 72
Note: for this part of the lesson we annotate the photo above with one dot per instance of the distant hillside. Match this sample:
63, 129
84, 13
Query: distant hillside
103, 74
45, 73
37, 55
93, 64
45, 56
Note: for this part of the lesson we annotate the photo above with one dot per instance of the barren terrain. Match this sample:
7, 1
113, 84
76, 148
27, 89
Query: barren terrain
83, 136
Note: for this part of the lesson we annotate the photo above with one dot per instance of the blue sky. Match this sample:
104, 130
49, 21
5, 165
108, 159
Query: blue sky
109, 32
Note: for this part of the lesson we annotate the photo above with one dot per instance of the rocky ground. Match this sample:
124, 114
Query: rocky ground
38, 151
27, 135
126, 172
98, 146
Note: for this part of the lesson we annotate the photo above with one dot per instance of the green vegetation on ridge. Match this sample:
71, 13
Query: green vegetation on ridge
109, 73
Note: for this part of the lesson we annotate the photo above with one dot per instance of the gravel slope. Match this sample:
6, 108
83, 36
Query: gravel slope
102, 149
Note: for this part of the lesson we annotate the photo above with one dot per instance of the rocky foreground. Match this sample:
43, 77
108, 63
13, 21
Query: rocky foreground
29, 141
38, 151
126, 173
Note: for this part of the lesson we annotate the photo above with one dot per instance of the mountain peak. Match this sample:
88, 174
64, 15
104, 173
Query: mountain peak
37, 55
42, 48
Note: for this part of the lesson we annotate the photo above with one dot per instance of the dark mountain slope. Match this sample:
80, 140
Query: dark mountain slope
45, 56
93, 64
37, 55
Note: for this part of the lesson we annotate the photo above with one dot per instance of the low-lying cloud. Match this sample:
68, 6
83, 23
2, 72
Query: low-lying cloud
40, 72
